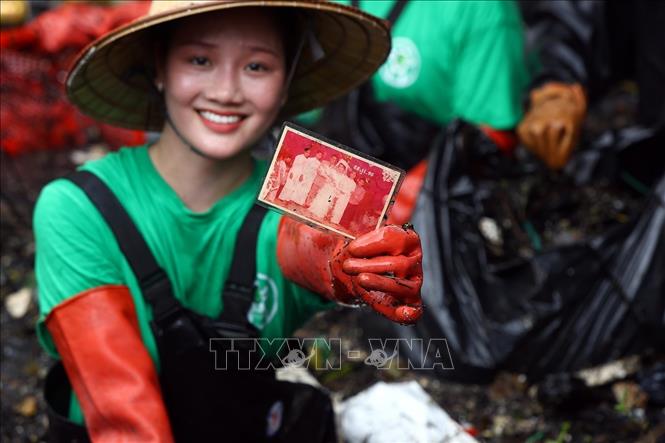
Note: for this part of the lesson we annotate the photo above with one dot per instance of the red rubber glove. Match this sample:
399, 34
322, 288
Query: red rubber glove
381, 268
386, 266
552, 126
97, 335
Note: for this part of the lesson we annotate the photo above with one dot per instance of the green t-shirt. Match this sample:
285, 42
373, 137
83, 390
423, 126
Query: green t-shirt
454, 59
76, 249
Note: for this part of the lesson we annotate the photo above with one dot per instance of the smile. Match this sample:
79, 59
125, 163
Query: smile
223, 123
216, 118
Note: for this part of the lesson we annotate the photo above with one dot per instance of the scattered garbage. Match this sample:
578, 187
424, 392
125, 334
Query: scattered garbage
615, 370
401, 412
27, 407
629, 395
296, 374
18, 303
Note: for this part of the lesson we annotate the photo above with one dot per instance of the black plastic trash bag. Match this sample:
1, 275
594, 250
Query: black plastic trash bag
560, 309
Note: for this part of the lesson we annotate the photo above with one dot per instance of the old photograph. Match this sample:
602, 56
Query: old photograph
327, 185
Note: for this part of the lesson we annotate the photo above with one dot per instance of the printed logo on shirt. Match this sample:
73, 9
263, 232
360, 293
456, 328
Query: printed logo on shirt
274, 418
264, 307
403, 65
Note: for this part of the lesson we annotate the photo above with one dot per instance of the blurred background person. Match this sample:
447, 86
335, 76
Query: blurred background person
584, 48
448, 60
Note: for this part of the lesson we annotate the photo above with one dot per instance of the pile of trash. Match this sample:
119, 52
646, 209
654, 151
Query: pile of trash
526, 215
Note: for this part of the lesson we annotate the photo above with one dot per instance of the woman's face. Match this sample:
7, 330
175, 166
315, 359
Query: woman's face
224, 79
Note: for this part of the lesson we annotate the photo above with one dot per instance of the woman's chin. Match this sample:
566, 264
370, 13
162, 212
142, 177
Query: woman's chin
221, 153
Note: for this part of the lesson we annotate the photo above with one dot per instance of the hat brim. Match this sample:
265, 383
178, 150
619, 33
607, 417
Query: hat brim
109, 81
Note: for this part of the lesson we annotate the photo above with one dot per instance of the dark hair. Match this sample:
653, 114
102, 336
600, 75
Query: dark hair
290, 26
288, 23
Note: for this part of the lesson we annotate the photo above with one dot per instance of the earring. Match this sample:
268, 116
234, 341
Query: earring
160, 86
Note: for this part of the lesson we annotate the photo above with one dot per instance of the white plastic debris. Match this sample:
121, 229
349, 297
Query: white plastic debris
18, 303
398, 412
490, 230
612, 371
296, 375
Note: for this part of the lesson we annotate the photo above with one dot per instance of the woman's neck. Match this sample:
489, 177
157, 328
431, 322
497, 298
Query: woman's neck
198, 181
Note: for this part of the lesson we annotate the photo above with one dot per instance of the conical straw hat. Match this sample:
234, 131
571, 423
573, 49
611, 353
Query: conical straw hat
111, 79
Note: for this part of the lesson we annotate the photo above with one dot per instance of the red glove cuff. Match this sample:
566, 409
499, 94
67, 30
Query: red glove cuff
97, 335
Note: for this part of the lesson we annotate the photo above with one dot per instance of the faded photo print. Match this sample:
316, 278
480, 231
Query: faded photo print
328, 186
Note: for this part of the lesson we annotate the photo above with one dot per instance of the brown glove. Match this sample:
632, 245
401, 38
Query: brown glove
551, 127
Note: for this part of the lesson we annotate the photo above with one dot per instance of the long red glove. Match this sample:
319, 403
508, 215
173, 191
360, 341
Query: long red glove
98, 338
381, 268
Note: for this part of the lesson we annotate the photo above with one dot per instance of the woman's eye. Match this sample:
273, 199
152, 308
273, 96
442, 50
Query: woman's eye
199, 61
256, 67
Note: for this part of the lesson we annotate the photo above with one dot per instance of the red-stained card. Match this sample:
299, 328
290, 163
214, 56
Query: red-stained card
328, 185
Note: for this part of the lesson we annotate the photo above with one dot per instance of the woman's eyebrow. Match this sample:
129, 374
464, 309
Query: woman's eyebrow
251, 46
195, 43
260, 48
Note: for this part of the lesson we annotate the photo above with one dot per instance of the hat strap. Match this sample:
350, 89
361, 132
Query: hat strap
317, 51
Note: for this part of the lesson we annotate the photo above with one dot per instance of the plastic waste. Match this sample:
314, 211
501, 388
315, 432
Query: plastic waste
398, 412
541, 309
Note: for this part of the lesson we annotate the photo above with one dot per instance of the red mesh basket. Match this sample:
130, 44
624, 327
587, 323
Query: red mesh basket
34, 111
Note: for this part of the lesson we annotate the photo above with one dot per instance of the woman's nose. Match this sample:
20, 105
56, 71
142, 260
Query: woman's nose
225, 87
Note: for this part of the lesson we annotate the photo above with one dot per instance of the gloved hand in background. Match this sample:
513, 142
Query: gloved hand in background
382, 268
551, 127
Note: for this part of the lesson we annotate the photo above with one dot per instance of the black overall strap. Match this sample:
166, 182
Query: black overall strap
238, 293
155, 285
394, 13
153, 281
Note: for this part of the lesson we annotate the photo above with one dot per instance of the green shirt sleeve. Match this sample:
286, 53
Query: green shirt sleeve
69, 258
490, 71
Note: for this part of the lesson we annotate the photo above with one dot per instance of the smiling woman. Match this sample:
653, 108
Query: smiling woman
149, 255
225, 87
223, 81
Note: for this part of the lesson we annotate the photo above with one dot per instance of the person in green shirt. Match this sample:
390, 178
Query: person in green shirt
454, 59
449, 60
145, 255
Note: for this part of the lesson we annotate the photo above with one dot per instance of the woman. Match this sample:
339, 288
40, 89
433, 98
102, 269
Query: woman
134, 251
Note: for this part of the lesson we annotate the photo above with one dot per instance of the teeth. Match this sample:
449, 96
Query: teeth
216, 118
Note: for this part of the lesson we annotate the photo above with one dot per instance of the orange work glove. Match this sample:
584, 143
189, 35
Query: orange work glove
382, 268
551, 127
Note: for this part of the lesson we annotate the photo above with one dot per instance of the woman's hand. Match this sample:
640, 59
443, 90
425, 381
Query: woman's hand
381, 268
385, 270
551, 127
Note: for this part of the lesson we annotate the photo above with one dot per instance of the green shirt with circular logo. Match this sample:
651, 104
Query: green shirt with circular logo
454, 59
